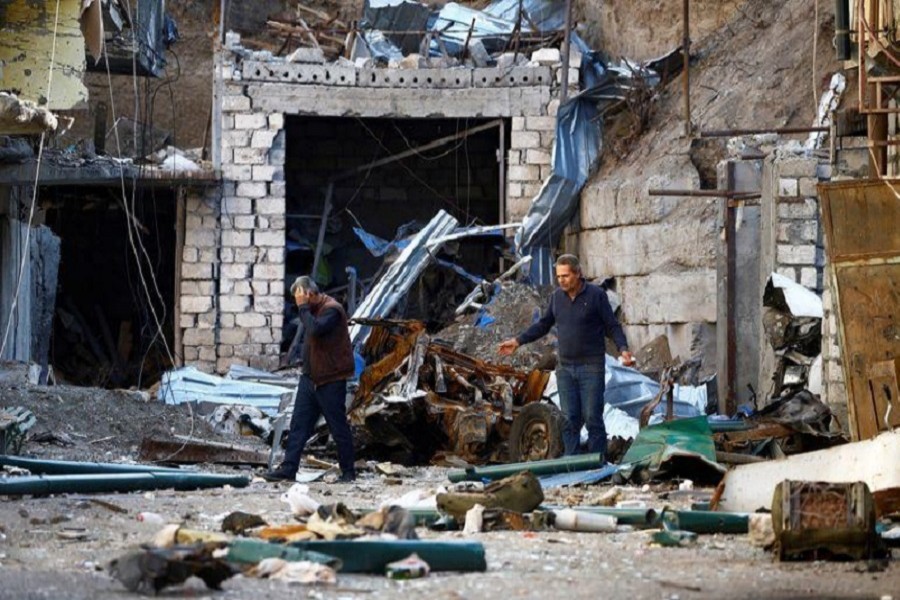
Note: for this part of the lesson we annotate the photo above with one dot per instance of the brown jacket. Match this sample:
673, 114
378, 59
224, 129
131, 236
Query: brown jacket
329, 354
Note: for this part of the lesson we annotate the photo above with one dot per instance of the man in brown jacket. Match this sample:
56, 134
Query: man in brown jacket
322, 390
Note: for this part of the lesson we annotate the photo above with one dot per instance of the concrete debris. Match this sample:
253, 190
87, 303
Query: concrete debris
22, 117
303, 572
750, 487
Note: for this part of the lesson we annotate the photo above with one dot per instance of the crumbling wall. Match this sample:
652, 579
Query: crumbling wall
246, 310
34, 32
793, 246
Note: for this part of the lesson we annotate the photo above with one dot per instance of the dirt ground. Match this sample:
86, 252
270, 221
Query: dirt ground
38, 562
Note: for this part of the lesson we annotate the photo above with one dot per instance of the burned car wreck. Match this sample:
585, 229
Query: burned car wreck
420, 401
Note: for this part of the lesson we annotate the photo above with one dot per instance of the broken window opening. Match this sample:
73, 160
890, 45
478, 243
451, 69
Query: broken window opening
383, 180
105, 330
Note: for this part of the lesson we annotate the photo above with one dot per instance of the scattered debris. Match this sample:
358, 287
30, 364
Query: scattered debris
792, 317
303, 571
750, 487
411, 567
521, 493
417, 398
815, 521
151, 570
239, 522
14, 425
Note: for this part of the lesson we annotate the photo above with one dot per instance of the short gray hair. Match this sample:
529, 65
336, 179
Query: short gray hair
569, 260
306, 284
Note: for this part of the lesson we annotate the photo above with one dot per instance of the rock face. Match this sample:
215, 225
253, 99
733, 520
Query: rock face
661, 251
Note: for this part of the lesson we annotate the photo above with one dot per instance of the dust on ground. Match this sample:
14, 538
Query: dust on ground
95, 424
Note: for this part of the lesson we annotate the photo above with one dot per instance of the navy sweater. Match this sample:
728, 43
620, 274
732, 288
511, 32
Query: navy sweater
582, 325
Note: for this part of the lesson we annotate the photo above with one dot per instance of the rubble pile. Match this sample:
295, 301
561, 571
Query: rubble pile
792, 317
512, 307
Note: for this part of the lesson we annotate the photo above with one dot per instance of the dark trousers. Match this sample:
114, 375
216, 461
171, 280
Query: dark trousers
581, 389
310, 402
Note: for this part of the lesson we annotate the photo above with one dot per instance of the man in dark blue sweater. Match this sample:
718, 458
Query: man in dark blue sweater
583, 317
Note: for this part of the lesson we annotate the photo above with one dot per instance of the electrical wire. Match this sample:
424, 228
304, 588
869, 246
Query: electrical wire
37, 174
130, 226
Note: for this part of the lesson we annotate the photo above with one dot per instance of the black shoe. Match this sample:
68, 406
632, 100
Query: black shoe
282, 473
347, 477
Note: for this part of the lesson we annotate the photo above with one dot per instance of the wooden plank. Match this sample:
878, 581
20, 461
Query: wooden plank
869, 299
759, 433
862, 234
862, 219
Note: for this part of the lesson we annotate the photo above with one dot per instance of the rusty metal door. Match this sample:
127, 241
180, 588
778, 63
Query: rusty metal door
862, 239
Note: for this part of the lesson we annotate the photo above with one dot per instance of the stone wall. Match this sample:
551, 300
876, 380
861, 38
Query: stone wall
662, 260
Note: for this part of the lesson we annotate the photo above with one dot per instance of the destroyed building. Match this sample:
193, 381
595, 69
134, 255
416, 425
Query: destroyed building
330, 143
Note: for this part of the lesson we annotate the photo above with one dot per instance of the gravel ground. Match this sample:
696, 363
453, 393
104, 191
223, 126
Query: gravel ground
37, 563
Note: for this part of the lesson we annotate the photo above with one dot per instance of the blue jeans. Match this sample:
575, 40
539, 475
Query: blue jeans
311, 401
581, 390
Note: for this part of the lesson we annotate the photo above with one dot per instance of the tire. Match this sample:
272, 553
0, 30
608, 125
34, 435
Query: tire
536, 433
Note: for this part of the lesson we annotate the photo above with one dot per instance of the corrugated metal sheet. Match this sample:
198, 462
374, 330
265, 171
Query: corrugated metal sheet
400, 276
190, 385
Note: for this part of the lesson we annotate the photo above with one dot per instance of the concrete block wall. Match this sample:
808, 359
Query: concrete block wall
529, 159
799, 254
251, 282
797, 250
199, 276
233, 276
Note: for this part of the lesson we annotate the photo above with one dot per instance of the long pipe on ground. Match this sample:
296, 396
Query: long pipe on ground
71, 467
566, 464
370, 556
41, 485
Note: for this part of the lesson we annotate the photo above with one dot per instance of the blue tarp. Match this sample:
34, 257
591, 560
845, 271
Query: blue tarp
379, 247
576, 156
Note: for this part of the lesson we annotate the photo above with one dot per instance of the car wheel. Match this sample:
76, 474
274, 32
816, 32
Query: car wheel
536, 433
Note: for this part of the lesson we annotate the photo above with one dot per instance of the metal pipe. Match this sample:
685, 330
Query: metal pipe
686, 47
67, 467
731, 299
706, 194
637, 517
842, 29
779, 130
566, 464
117, 482
705, 521
564, 89
368, 557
